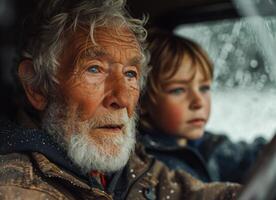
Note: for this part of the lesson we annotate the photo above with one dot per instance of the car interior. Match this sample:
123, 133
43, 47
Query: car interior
239, 36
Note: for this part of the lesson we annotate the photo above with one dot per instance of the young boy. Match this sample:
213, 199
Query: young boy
175, 109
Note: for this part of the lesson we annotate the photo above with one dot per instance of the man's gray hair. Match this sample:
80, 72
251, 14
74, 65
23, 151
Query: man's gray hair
54, 19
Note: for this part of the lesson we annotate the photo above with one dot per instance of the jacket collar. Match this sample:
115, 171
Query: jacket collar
52, 170
121, 182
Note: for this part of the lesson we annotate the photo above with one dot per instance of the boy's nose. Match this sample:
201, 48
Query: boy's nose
196, 101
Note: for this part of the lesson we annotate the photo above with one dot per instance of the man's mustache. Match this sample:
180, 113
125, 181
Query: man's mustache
119, 119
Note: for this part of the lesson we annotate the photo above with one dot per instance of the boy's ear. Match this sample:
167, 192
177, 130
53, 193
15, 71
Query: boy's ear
35, 97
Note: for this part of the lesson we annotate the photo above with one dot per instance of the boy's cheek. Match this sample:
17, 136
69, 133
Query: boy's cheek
174, 117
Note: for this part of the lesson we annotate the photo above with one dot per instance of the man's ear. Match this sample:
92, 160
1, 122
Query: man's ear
35, 97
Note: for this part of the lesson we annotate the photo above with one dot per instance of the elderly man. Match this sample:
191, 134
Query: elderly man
81, 69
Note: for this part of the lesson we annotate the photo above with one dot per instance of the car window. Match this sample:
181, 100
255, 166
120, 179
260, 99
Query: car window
244, 87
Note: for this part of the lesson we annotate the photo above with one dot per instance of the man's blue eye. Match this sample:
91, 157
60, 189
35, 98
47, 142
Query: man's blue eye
94, 69
131, 74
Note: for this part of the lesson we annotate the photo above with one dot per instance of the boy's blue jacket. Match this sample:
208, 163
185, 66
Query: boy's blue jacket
210, 158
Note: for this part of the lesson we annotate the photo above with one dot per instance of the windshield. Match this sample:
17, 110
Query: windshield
244, 87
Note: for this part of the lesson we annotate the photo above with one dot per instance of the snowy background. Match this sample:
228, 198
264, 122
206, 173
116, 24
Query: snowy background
244, 87
243, 114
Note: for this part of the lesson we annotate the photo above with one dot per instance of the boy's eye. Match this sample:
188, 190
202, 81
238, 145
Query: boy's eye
94, 69
177, 91
131, 74
205, 88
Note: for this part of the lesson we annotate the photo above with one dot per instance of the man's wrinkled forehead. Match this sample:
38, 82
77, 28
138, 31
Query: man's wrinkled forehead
106, 42
121, 36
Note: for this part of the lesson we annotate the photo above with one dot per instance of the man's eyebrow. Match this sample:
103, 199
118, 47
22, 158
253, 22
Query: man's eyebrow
94, 52
98, 52
135, 61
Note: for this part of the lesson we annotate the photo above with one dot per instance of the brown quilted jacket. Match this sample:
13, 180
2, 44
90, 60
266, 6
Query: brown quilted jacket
33, 176
30, 175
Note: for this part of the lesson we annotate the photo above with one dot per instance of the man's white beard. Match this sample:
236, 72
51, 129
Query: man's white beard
82, 148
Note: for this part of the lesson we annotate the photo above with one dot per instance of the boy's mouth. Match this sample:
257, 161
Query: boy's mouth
197, 121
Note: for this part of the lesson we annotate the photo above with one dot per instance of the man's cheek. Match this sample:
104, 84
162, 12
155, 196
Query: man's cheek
133, 101
87, 110
87, 99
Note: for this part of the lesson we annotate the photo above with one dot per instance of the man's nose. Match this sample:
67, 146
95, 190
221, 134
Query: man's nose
196, 100
117, 94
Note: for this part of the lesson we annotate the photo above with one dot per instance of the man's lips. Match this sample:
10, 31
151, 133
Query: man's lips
197, 121
114, 127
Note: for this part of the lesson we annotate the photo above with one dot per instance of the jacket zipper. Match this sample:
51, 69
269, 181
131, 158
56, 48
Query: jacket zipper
137, 178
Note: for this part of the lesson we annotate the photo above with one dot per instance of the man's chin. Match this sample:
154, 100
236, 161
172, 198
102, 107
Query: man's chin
106, 154
106, 147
